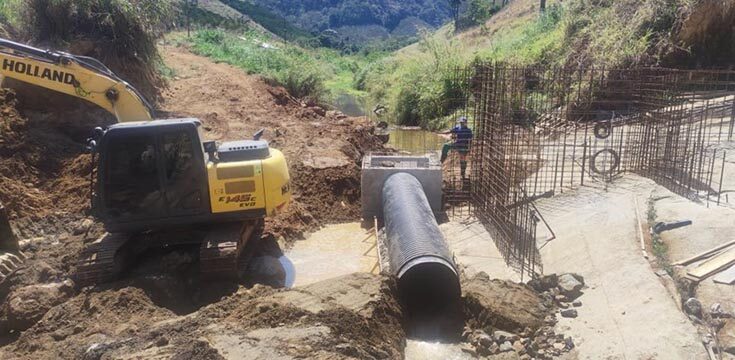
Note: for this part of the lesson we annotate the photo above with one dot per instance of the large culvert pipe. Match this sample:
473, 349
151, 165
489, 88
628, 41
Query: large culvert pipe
419, 256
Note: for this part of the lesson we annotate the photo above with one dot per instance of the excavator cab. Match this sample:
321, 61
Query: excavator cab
159, 174
150, 175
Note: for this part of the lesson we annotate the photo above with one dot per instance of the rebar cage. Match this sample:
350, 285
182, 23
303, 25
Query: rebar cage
539, 131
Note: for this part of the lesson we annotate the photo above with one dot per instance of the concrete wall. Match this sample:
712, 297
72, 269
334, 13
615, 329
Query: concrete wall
377, 168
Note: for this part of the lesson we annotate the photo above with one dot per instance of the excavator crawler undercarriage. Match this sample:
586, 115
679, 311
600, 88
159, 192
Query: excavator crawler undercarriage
224, 251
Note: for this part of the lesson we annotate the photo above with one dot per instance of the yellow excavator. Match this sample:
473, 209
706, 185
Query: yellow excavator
157, 183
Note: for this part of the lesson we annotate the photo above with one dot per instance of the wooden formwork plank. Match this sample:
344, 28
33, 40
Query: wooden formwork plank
704, 255
726, 277
713, 265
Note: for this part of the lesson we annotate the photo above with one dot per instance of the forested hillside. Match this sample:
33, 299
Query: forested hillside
358, 22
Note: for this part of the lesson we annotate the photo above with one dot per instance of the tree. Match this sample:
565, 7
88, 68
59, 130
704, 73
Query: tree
543, 5
455, 4
189, 7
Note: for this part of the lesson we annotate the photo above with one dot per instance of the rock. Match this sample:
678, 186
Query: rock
506, 346
468, 349
569, 343
519, 347
347, 349
267, 270
544, 283
318, 110
693, 307
564, 305
577, 303
726, 337
716, 310
503, 336
83, 226
497, 302
95, 351
559, 346
481, 338
569, 313
466, 332
487, 350
27, 305
570, 285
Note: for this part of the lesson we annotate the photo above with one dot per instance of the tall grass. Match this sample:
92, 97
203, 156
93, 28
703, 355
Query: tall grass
318, 74
416, 86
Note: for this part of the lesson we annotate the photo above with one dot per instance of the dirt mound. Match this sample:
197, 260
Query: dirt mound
42, 170
503, 305
88, 323
124, 323
502, 316
121, 34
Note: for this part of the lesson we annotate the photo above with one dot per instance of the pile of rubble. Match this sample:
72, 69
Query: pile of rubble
504, 317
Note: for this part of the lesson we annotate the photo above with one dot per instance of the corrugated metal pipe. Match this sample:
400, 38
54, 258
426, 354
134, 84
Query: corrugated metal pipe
419, 257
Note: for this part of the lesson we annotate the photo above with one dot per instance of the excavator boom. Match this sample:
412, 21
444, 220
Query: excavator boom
79, 76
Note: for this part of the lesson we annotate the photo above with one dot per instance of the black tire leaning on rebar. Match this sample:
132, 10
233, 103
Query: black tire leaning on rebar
616, 162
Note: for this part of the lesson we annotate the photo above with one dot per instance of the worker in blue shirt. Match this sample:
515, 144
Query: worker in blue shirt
462, 136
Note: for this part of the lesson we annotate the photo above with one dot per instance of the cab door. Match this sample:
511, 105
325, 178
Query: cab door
183, 172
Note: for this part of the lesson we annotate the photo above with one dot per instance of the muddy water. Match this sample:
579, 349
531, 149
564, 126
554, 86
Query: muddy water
333, 251
416, 349
415, 140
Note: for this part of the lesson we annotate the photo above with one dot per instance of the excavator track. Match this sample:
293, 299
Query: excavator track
226, 249
101, 261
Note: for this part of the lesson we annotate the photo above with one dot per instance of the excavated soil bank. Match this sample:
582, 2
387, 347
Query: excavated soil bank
351, 316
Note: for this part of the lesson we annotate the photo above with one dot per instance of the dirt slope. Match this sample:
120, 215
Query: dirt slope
323, 147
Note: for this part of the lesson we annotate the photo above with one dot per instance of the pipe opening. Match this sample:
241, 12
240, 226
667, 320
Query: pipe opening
431, 296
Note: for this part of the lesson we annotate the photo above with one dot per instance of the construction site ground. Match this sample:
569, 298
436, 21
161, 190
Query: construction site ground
339, 306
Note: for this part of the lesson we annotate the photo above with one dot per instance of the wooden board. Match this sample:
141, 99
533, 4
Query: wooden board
726, 277
705, 254
713, 265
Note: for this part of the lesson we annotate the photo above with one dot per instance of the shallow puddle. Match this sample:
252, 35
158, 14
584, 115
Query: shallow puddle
333, 251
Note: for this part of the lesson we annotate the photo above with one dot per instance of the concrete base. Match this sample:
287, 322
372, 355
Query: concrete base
377, 168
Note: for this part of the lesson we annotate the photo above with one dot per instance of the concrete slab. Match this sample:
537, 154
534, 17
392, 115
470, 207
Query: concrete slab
377, 168
627, 312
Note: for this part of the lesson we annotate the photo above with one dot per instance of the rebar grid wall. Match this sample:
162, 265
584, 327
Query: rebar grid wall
541, 131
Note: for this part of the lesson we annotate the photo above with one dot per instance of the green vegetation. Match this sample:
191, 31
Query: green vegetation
420, 86
477, 12
319, 74
273, 23
415, 85
660, 249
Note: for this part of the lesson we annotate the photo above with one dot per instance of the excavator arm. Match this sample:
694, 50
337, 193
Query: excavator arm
79, 76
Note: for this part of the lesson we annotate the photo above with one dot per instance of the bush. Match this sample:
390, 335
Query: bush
477, 12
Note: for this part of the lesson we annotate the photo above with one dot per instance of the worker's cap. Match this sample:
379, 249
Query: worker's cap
462, 120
